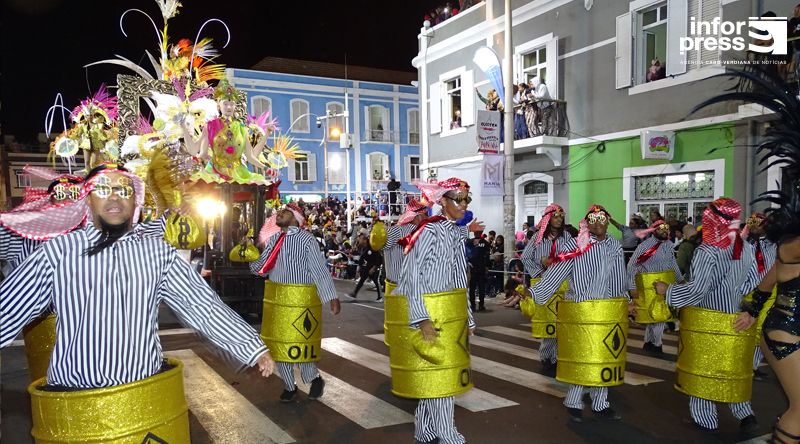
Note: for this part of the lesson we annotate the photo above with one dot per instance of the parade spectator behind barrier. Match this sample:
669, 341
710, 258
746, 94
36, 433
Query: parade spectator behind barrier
479, 264
497, 265
516, 278
629, 239
369, 267
686, 249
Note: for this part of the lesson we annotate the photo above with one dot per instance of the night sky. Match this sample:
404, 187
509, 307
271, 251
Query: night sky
45, 43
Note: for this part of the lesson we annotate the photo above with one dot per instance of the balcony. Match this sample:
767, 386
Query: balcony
378, 135
764, 64
549, 131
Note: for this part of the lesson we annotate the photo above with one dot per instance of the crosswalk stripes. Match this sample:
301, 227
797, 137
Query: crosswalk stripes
631, 378
475, 400
514, 375
633, 358
225, 414
631, 330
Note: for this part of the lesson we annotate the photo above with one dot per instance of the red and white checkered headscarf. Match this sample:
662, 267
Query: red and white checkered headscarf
51, 220
271, 226
435, 190
413, 209
545, 221
641, 234
584, 238
298, 212
721, 222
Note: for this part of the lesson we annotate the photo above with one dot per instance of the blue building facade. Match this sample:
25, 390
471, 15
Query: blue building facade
383, 128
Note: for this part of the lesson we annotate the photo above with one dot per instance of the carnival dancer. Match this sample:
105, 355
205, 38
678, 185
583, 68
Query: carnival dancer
720, 277
298, 276
538, 255
654, 254
765, 251
106, 276
595, 269
434, 281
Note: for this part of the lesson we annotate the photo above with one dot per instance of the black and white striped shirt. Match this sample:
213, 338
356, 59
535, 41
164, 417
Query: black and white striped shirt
718, 281
393, 253
15, 248
107, 307
662, 260
599, 273
532, 254
299, 262
435, 264
770, 252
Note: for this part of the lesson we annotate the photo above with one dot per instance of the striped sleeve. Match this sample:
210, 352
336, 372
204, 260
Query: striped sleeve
551, 280
633, 267
155, 228
393, 235
319, 272
256, 265
27, 292
691, 293
10, 244
418, 262
199, 307
617, 284
528, 257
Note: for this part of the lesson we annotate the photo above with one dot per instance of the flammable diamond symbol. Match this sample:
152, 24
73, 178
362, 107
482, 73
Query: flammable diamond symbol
306, 324
150, 438
615, 341
553, 305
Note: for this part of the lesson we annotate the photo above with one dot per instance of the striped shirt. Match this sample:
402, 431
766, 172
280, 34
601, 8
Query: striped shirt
770, 251
435, 264
533, 254
599, 273
393, 253
718, 281
15, 248
662, 260
299, 262
107, 307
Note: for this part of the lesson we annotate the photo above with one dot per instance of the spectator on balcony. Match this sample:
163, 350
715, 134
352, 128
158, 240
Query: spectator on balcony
392, 187
456, 123
538, 114
656, 71
520, 101
492, 102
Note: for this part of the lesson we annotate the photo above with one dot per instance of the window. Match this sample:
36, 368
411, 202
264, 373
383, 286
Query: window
652, 38
413, 126
299, 115
535, 187
452, 97
412, 168
452, 102
378, 128
534, 64
23, 179
260, 105
303, 168
336, 168
378, 167
333, 108
681, 196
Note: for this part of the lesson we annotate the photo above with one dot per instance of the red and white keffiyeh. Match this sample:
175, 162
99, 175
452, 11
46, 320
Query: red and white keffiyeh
433, 191
413, 209
545, 221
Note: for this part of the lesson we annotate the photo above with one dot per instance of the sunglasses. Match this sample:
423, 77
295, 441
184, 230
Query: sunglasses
103, 188
65, 191
558, 214
754, 222
461, 200
594, 218
662, 227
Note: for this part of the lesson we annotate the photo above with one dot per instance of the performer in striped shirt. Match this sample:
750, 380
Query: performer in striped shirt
105, 282
720, 277
393, 256
766, 252
435, 263
292, 256
551, 239
655, 253
595, 269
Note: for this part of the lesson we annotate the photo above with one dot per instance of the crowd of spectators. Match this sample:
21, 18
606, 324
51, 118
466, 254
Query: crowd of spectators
450, 9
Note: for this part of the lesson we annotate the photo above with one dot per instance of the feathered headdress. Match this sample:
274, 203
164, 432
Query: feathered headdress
225, 91
781, 140
102, 102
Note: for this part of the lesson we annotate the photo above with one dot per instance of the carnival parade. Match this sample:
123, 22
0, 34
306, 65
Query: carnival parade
186, 258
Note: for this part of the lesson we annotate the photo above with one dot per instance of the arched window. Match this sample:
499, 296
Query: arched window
299, 115
333, 108
378, 127
535, 187
413, 126
260, 105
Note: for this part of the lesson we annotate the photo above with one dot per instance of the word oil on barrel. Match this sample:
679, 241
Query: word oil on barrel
291, 323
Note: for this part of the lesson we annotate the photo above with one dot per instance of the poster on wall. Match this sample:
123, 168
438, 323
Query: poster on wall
492, 175
658, 144
488, 131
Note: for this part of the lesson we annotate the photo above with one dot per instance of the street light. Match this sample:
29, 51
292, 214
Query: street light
209, 209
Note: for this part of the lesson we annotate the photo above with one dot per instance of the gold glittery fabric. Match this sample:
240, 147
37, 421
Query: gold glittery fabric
592, 342
762, 315
440, 368
292, 322
150, 410
40, 338
651, 306
543, 318
395, 314
714, 361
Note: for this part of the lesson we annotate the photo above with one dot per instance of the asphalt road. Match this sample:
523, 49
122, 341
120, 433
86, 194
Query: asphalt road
513, 402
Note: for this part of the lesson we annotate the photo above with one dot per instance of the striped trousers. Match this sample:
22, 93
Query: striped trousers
758, 356
308, 371
704, 412
548, 350
434, 418
654, 333
599, 395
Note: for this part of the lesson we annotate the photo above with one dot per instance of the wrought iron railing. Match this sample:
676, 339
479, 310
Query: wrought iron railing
545, 118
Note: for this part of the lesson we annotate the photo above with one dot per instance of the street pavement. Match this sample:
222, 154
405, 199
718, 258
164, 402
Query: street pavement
513, 401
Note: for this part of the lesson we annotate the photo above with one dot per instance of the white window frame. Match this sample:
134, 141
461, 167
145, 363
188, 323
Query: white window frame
445, 105
310, 159
368, 165
253, 105
550, 44
639, 57
23, 179
342, 128
416, 122
333, 175
386, 137
303, 116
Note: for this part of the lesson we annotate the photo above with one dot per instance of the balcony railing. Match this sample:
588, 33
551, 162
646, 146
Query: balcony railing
768, 64
380, 136
543, 118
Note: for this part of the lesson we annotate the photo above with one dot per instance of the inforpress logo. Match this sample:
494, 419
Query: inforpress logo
726, 36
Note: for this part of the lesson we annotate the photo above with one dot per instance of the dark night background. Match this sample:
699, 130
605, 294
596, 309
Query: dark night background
45, 43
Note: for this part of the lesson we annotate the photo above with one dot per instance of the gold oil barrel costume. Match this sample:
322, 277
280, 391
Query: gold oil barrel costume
291, 325
543, 318
395, 314
150, 410
714, 361
437, 369
651, 306
40, 338
592, 342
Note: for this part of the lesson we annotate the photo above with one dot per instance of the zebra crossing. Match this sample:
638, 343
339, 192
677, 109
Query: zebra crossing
228, 416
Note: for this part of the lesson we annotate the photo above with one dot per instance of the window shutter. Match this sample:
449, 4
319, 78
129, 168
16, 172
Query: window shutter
624, 52
387, 126
312, 167
290, 171
552, 67
467, 98
677, 26
710, 9
407, 168
435, 99
367, 126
